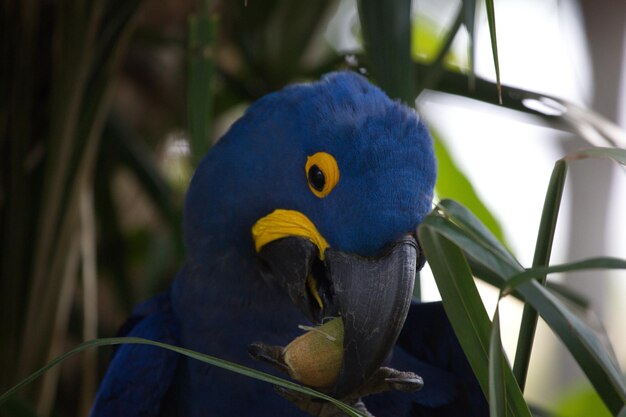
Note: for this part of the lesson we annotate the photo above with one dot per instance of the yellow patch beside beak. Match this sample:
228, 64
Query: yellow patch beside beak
286, 223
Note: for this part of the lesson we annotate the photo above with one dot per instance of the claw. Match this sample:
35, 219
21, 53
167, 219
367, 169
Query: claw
402, 380
389, 379
272, 355
317, 407
406, 384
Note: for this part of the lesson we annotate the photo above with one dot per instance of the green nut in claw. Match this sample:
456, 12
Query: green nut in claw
315, 358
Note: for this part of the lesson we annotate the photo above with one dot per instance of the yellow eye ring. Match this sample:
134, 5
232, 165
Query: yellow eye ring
322, 173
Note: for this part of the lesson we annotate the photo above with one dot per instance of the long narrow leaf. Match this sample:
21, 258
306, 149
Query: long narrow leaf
586, 347
616, 154
461, 224
543, 250
220, 363
488, 276
554, 111
79, 101
460, 299
491, 17
469, 14
202, 35
497, 390
432, 76
386, 28
570, 295
466, 311
593, 263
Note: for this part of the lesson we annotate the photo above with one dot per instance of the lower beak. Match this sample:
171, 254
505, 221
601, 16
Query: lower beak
371, 295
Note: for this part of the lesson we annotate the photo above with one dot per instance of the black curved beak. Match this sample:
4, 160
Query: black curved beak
372, 295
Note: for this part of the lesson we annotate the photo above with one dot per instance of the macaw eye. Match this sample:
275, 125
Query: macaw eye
316, 178
322, 173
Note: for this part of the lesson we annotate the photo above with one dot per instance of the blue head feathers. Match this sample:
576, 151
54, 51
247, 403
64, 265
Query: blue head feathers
383, 153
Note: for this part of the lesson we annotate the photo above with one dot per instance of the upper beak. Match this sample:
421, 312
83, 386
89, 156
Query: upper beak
372, 296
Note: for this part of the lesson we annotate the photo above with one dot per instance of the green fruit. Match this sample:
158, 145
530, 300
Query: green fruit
315, 358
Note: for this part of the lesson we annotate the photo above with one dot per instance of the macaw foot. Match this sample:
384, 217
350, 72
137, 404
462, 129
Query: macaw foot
320, 408
384, 379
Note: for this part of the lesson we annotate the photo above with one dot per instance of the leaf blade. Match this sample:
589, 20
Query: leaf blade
497, 393
465, 310
543, 250
386, 28
588, 350
491, 17
202, 33
230, 366
469, 15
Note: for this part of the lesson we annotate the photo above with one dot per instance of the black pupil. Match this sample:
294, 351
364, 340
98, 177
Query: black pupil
316, 178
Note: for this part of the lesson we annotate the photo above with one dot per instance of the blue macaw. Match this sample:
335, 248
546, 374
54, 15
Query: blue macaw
306, 209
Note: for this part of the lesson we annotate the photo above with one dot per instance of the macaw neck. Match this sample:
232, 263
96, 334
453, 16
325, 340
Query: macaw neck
224, 303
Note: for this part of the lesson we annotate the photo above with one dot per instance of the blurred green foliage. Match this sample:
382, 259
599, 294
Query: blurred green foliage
581, 401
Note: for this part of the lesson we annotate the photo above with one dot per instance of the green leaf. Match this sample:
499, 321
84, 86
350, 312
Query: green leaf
488, 276
465, 309
386, 28
543, 249
432, 76
491, 17
550, 214
278, 40
425, 42
462, 228
616, 154
497, 391
202, 34
452, 183
469, 15
582, 402
588, 350
211, 360
556, 112
532, 273
569, 295
465, 229
16, 407
90, 39
460, 298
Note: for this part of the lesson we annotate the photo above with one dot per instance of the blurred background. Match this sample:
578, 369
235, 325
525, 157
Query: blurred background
107, 105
